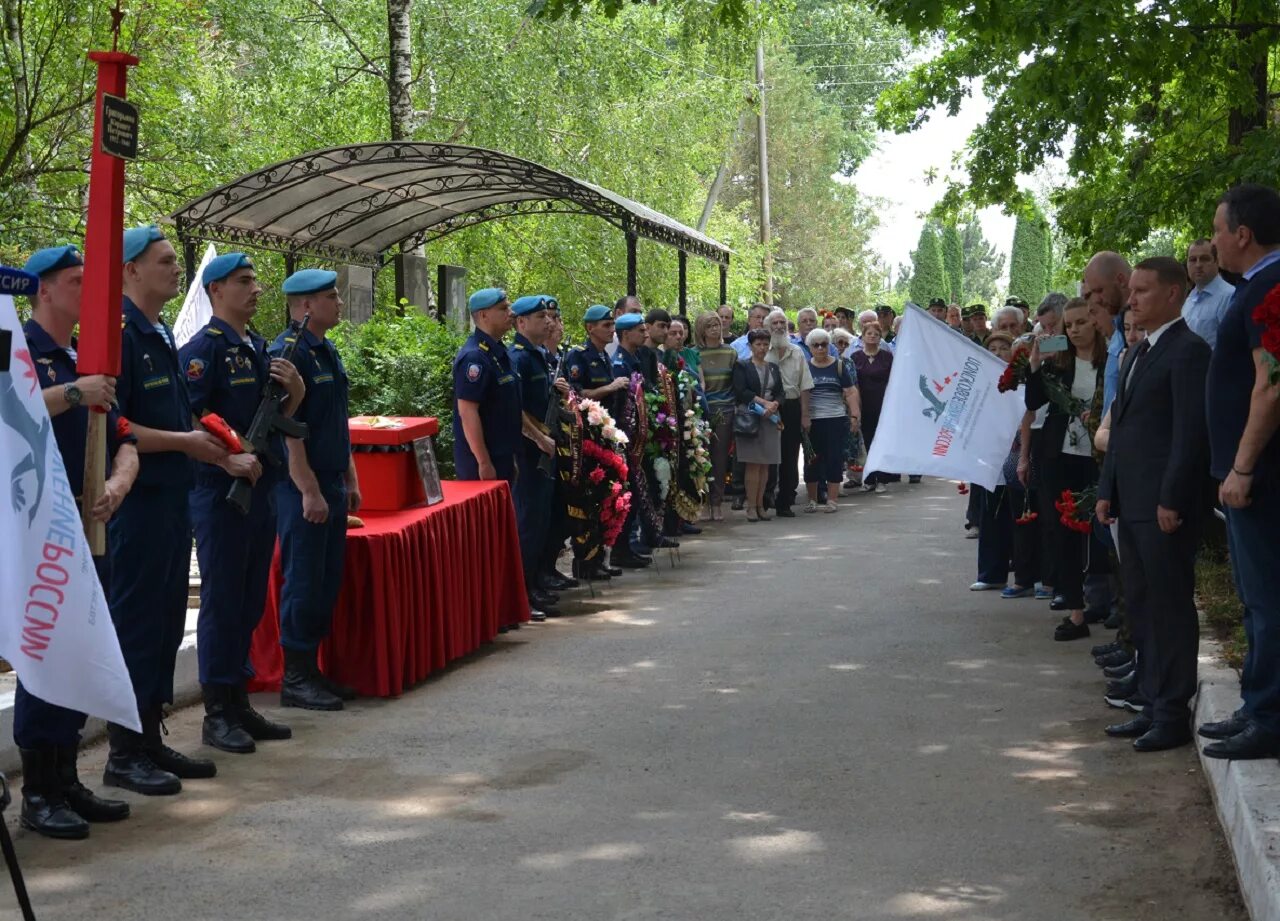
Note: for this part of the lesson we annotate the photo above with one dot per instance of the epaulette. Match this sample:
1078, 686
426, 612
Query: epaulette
211, 331
578, 348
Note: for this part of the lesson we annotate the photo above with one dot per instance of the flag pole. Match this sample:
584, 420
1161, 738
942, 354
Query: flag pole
115, 129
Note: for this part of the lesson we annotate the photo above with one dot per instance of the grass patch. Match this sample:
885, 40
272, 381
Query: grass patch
1222, 609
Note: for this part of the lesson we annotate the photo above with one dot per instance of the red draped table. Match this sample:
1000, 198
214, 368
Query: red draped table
420, 588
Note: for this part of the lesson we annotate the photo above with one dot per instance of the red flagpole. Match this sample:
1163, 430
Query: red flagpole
98, 349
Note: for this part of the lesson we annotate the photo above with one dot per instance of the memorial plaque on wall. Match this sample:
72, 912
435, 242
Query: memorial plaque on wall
452, 289
355, 287
413, 281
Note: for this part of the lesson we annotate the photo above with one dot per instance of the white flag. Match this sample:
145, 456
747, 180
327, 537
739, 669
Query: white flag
943, 414
55, 629
196, 310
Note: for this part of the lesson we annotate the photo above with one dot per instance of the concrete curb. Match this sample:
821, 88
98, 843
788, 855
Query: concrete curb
1246, 794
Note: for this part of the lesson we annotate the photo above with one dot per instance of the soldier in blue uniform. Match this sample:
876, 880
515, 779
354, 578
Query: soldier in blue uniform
226, 370
54, 801
626, 362
150, 536
488, 424
554, 350
313, 501
533, 491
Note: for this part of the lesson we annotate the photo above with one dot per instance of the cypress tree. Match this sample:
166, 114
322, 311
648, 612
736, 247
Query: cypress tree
1029, 260
953, 261
928, 277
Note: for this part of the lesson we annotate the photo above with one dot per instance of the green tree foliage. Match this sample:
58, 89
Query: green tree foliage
1029, 260
1156, 106
982, 264
928, 275
953, 261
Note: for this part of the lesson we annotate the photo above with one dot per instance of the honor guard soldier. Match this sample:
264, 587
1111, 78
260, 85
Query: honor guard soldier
587, 366
313, 501
533, 491
54, 801
150, 536
554, 351
226, 369
488, 424
626, 362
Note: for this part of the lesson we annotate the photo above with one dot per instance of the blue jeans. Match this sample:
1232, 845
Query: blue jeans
1253, 539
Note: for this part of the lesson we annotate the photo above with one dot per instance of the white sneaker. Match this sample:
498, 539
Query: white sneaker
880, 488
811, 507
984, 587
830, 507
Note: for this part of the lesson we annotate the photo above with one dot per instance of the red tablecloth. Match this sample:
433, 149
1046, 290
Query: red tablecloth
420, 588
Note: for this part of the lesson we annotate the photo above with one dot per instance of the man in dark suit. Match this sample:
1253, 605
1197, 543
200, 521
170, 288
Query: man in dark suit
1151, 480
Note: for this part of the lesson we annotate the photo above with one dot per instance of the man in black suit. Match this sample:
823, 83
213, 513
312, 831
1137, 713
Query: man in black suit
1151, 480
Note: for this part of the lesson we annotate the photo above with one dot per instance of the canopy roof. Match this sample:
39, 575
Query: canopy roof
354, 204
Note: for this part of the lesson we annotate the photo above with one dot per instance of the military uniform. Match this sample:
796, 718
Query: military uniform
312, 555
587, 367
483, 374
625, 364
54, 802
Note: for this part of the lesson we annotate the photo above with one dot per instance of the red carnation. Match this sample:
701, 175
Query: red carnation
123, 429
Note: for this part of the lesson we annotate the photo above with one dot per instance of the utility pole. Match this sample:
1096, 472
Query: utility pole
762, 136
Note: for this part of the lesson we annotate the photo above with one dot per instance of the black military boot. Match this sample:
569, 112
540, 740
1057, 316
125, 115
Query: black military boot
223, 727
340, 691
164, 757
130, 767
301, 687
87, 804
44, 808
254, 722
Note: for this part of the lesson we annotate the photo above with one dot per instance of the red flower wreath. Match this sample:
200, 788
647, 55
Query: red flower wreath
1267, 315
1070, 513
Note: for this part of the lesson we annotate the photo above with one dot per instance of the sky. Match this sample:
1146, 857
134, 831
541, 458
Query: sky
896, 174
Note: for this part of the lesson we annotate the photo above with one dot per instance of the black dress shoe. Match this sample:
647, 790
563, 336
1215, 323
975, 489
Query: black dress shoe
1059, 603
537, 616
554, 581
739, 502
786, 513
611, 571
1113, 621
222, 728
45, 809
1251, 742
1067, 630
1112, 659
165, 758
131, 768
1121, 671
83, 801
1138, 726
1123, 688
257, 725
1105, 649
630, 560
1233, 725
687, 527
667, 543
541, 599
1163, 736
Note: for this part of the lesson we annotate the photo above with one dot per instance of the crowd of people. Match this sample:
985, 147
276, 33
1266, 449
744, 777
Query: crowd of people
1150, 398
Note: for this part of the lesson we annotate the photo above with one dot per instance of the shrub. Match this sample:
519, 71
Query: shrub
403, 366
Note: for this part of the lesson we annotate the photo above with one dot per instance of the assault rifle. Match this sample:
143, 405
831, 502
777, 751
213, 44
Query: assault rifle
267, 421
554, 424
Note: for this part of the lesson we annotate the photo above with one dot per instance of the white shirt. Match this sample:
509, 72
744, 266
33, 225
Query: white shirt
1205, 307
1076, 440
794, 369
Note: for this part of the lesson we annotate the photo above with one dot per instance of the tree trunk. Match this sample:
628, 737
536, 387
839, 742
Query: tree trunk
400, 69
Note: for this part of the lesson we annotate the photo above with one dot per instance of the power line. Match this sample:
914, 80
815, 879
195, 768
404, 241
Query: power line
682, 64
899, 43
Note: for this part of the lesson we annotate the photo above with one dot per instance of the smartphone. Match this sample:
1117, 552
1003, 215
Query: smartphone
1051, 344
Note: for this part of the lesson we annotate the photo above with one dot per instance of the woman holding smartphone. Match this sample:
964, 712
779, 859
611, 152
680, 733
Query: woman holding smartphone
1069, 463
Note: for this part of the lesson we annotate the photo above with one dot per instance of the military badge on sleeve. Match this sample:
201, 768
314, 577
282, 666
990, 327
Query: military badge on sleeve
473, 373
195, 369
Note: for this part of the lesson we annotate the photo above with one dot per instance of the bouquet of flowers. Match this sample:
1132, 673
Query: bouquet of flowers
694, 467
1267, 315
1028, 514
1015, 375
599, 465
1075, 509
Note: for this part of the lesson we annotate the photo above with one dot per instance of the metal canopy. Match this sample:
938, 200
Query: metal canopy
354, 204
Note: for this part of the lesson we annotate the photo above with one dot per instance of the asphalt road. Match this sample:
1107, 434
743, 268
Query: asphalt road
808, 719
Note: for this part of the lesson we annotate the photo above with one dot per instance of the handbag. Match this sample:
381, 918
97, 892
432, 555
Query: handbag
746, 424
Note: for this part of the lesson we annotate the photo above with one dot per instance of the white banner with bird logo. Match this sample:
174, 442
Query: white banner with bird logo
55, 629
943, 414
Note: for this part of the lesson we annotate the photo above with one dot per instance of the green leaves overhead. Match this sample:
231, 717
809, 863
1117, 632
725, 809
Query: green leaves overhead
1157, 106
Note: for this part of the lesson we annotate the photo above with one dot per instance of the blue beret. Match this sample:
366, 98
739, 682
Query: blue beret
628, 321
137, 239
486, 298
221, 266
309, 281
43, 261
16, 282
530, 303
552, 303
595, 313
